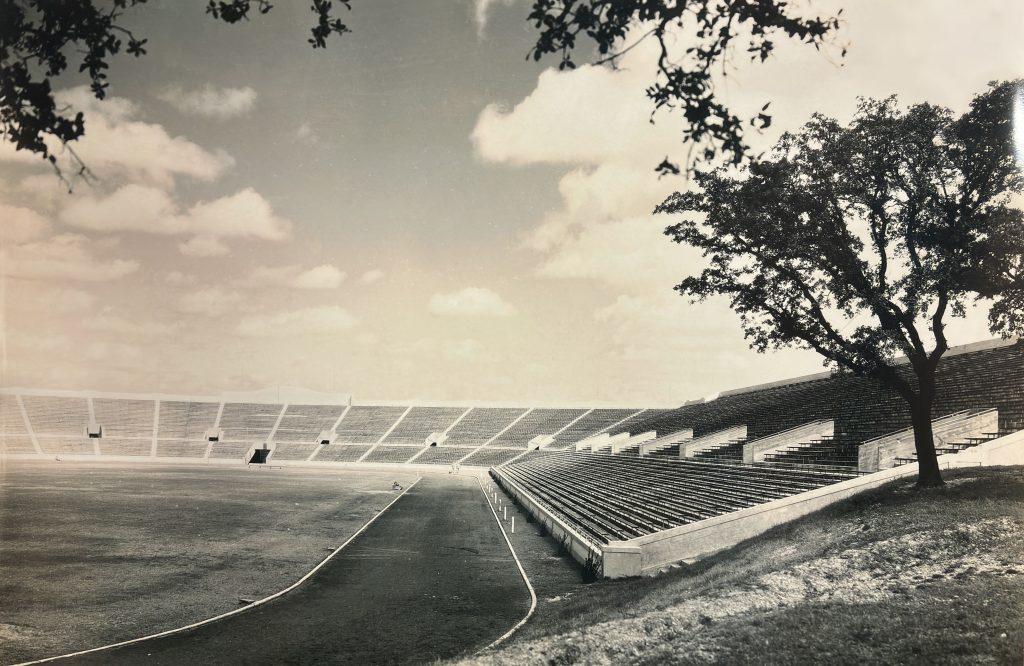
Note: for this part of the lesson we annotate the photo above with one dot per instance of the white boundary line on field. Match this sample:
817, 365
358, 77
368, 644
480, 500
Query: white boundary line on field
522, 572
243, 609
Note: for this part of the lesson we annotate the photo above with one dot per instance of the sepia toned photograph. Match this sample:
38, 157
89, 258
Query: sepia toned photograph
511, 332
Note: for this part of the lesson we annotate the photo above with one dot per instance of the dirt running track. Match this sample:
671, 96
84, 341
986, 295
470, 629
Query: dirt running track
431, 578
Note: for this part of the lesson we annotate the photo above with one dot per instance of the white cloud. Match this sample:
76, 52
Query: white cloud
471, 301
42, 297
204, 246
177, 278
210, 101
20, 225
371, 276
115, 141
481, 9
306, 321
209, 301
146, 209
63, 257
325, 276
320, 277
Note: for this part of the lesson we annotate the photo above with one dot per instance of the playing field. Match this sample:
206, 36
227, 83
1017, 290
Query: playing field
92, 554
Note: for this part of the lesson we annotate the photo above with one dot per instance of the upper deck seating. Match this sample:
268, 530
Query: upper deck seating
293, 450
304, 423
183, 420
591, 424
14, 437
124, 418
53, 415
421, 422
537, 422
248, 422
482, 424
125, 447
443, 455
342, 452
392, 454
366, 424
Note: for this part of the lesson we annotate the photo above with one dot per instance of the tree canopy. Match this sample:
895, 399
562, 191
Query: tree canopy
40, 40
860, 240
694, 38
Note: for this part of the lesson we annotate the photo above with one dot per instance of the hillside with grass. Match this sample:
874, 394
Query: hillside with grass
895, 575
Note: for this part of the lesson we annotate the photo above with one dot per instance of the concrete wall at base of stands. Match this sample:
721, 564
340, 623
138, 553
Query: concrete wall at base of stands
703, 538
755, 450
711, 440
881, 453
581, 549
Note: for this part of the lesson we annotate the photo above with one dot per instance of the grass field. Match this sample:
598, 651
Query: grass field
891, 576
432, 578
91, 554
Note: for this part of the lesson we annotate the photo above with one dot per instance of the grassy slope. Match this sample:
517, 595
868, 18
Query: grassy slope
91, 554
891, 576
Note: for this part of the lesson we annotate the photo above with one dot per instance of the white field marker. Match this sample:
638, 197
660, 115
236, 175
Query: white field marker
513, 524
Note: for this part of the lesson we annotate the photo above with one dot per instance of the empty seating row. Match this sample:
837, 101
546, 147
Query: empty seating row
536, 422
489, 457
392, 454
55, 415
621, 497
124, 418
185, 420
421, 422
443, 455
592, 423
366, 424
342, 452
304, 423
247, 421
482, 424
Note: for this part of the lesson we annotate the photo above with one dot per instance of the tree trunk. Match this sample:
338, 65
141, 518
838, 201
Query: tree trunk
928, 474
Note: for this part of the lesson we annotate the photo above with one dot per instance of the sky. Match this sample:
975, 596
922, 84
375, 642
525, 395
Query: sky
417, 212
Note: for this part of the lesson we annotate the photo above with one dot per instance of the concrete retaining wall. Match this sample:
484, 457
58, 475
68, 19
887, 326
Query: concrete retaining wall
882, 452
671, 439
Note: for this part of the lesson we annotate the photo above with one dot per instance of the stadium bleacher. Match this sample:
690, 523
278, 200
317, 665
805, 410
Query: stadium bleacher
248, 422
392, 454
14, 437
482, 424
124, 418
342, 452
293, 450
610, 498
67, 445
366, 424
125, 446
186, 421
592, 423
230, 450
304, 423
57, 415
537, 422
179, 448
443, 455
421, 422
488, 456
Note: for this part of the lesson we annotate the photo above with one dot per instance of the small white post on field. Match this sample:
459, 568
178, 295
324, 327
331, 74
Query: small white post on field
513, 524
505, 513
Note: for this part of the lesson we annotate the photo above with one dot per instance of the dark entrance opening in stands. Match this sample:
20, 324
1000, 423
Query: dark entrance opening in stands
259, 456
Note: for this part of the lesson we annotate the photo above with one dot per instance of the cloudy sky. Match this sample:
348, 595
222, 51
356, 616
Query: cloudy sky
417, 212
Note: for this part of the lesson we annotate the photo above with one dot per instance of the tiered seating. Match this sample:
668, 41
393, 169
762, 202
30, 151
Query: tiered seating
304, 423
177, 448
67, 445
248, 422
126, 447
366, 424
230, 450
124, 418
610, 498
14, 437
728, 452
822, 452
591, 424
639, 422
442, 455
421, 422
489, 457
482, 424
392, 454
342, 452
537, 422
186, 420
52, 415
293, 450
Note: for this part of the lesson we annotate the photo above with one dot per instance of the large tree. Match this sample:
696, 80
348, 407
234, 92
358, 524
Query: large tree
41, 40
860, 240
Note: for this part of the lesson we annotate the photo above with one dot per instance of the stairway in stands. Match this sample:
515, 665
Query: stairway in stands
961, 445
729, 452
824, 453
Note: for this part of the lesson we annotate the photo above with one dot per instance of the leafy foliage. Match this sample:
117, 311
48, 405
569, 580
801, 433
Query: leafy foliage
684, 83
857, 241
39, 38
